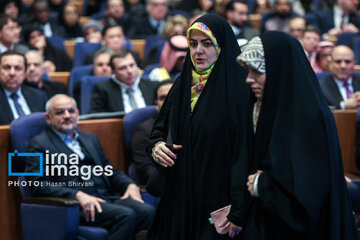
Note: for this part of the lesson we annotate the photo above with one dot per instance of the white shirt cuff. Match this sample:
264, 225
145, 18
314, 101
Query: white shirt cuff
256, 191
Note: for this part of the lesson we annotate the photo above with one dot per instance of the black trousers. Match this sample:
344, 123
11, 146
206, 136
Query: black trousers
122, 218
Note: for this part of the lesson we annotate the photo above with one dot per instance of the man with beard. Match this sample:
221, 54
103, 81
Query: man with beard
279, 19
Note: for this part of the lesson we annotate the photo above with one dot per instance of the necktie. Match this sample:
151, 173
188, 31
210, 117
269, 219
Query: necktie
132, 101
342, 21
18, 108
347, 88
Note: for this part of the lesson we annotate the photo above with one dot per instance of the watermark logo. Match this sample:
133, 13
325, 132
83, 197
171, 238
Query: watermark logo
59, 164
15, 154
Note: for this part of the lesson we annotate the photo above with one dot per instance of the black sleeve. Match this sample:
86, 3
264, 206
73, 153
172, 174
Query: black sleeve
98, 100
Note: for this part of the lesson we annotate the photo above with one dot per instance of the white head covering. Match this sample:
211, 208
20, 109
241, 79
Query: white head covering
253, 55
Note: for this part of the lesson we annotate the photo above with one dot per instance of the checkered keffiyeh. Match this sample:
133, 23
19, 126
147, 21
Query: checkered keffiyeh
253, 55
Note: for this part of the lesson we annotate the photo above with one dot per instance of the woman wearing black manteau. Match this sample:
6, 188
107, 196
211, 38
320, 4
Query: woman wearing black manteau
297, 179
204, 112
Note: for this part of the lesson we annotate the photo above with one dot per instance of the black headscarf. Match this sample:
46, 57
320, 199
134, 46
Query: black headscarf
207, 172
296, 145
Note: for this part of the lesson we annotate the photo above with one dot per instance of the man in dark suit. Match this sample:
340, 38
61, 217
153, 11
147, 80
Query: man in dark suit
125, 90
10, 35
151, 21
342, 18
15, 99
342, 88
144, 165
236, 12
35, 73
108, 198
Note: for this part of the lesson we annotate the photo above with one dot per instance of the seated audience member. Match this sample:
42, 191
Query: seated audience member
172, 59
341, 18
25, 11
322, 57
150, 22
110, 199
125, 90
56, 59
10, 8
92, 30
297, 27
57, 7
16, 99
175, 25
195, 14
116, 15
279, 19
35, 72
144, 165
342, 88
134, 6
309, 40
263, 6
69, 19
114, 40
101, 67
10, 35
236, 12
41, 16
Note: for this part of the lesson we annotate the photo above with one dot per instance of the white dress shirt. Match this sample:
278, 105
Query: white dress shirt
140, 101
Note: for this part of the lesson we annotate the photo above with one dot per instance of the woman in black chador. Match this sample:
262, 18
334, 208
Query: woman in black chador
297, 186
204, 113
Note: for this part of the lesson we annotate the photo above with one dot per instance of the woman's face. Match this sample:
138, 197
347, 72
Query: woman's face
70, 15
202, 49
256, 80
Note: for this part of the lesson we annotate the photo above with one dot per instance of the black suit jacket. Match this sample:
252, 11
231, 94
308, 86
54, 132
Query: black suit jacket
35, 99
59, 57
51, 88
106, 96
144, 165
324, 20
331, 90
49, 140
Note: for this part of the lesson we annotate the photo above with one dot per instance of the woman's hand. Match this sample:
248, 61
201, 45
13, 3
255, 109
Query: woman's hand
250, 182
163, 155
234, 230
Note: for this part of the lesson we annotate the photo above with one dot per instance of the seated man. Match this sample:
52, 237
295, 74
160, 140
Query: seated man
16, 99
342, 88
144, 165
108, 198
35, 72
10, 35
125, 90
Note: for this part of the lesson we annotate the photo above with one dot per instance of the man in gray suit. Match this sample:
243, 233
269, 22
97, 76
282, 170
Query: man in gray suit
342, 88
10, 35
15, 98
125, 90
236, 12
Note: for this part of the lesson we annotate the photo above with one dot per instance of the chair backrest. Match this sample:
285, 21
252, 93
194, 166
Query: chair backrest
322, 75
87, 83
356, 49
76, 74
345, 38
26, 127
81, 50
135, 117
21, 131
57, 42
151, 41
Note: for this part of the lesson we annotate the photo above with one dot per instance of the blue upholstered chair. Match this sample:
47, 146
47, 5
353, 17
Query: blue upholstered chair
43, 217
322, 75
81, 50
345, 38
132, 119
87, 83
76, 74
57, 41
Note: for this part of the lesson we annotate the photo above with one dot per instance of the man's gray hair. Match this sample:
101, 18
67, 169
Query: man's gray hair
48, 105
